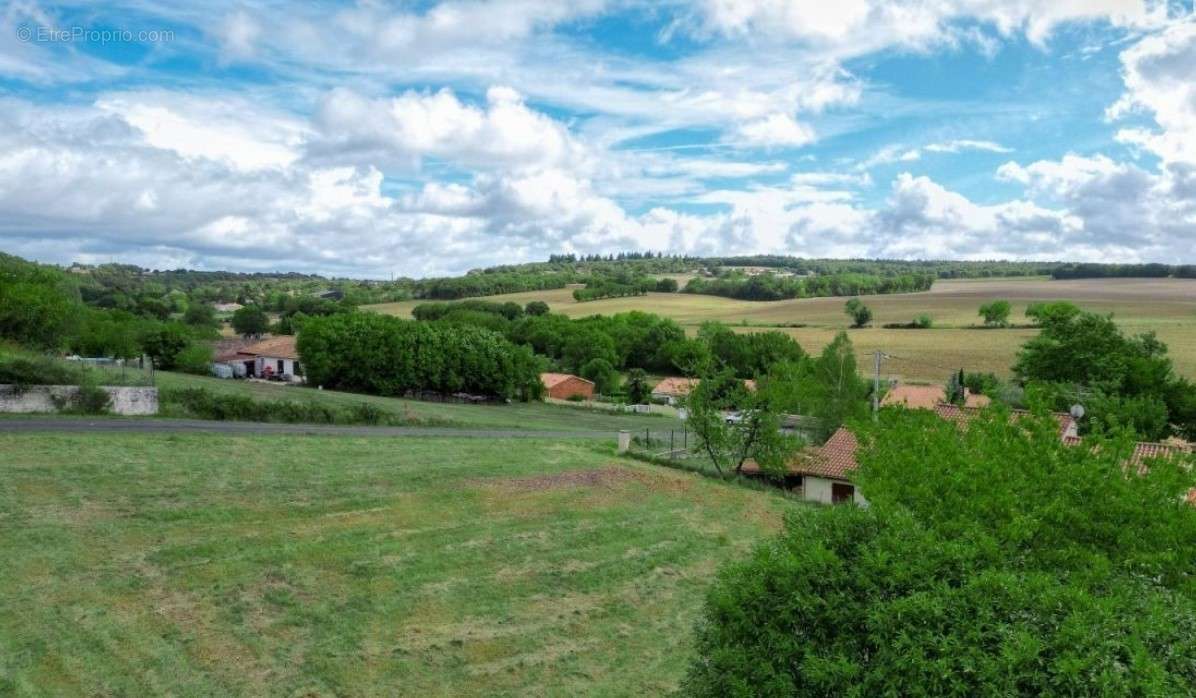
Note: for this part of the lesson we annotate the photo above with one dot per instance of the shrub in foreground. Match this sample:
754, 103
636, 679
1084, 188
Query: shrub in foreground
992, 561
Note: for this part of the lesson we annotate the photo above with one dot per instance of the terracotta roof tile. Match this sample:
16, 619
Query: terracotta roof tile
551, 379
676, 386
282, 347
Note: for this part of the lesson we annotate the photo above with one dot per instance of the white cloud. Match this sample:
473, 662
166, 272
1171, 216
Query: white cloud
416, 125
960, 145
855, 27
775, 130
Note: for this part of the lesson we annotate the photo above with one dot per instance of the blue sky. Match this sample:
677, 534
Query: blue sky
424, 138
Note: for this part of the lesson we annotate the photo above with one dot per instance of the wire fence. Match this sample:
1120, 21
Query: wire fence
673, 444
104, 371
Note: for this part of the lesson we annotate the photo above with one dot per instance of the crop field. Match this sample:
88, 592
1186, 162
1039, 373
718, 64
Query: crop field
251, 565
1165, 306
530, 416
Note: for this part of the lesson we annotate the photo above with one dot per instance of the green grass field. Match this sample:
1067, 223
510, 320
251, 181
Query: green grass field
531, 416
320, 566
1166, 306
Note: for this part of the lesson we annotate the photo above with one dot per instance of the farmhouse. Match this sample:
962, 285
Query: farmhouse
564, 386
272, 358
927, 397
673, 390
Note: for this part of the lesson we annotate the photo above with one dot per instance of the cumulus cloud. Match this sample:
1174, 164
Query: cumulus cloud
415, 125
775, 130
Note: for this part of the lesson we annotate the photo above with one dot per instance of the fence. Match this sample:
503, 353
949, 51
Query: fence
105, 371
672, 444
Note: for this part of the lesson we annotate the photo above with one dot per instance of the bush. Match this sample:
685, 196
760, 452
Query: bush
860, 314
195, 358
996, 313
992, 560
90, 398
923, 322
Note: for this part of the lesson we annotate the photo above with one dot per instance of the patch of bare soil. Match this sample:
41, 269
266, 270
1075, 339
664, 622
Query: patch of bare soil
601, 477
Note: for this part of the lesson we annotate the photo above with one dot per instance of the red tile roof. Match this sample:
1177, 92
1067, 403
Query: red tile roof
835, 459
678, 387
551, 379
926, 397
963, 415
280, 347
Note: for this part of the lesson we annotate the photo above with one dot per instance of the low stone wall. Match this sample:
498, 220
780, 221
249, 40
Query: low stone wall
41, 398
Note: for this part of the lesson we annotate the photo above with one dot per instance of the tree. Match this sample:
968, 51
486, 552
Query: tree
756, 434
164, 342
536, 308
860, 314
970, 573
996, 313
956, 391
638, 390
250, 321
1051, 312
39, 307
603, 375
666, 285
200, 315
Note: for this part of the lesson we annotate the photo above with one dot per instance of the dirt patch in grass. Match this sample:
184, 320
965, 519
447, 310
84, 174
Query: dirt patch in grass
600, 477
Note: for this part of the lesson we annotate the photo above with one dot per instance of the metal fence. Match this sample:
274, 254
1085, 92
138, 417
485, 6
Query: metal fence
105, 371
672, 443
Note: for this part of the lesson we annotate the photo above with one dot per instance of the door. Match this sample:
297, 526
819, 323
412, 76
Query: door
841, 493
280, 367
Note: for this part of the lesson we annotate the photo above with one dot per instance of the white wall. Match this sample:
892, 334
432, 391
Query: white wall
40, 398
818, 489
288, 366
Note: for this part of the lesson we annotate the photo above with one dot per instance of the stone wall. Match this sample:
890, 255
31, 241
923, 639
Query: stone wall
41, 398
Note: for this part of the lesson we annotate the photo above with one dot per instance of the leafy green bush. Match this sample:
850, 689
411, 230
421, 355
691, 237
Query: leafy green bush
992, 560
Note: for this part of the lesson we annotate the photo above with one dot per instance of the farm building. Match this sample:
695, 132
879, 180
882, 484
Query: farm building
227, 360
673, 390
273, 358
823, 473
927, 397
564, 386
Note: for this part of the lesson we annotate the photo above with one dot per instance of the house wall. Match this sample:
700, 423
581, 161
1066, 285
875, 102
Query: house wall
570, 387
818, 489
288, 366
40, 398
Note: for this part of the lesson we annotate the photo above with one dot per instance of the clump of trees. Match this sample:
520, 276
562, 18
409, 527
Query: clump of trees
991, 561
1123, 381
250, 321
859, 313
383, 355
772, 287
996, 313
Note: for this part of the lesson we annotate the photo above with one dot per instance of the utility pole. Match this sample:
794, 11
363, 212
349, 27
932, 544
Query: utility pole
878, 355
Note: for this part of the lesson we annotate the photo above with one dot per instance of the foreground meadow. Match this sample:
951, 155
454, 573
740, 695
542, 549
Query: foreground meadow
1165, 306
207, 565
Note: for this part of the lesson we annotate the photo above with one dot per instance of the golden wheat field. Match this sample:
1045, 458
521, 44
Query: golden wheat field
1164, 306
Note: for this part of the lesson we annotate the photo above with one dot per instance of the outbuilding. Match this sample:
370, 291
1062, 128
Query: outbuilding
275, 358
566, 386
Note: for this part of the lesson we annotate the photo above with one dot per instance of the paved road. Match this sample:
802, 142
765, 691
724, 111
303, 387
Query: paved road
171, 426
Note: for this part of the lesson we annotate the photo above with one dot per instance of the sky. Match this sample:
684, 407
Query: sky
378, 139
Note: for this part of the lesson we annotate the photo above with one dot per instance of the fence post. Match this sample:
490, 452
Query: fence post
671, 454
647, 439
624, 441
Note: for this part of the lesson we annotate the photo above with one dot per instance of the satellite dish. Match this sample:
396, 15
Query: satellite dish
1077, 411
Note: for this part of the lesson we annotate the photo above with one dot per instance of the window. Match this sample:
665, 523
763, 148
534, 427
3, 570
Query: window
842, 493
298, 369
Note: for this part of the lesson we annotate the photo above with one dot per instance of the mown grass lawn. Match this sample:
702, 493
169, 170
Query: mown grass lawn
533, 416
210, 565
